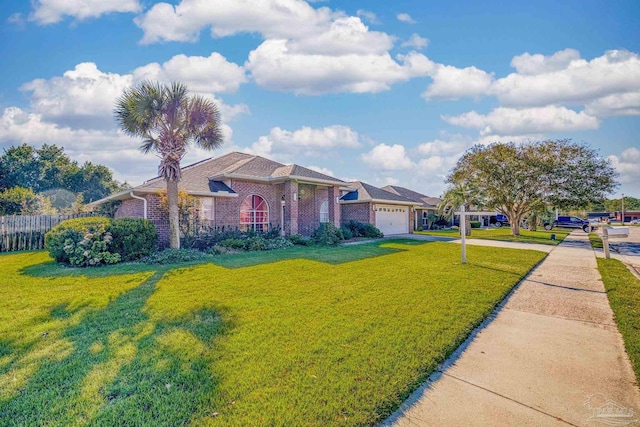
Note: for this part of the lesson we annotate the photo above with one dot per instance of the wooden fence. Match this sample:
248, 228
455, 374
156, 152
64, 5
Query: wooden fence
26, 232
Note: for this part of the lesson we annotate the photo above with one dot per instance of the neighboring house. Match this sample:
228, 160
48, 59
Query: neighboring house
388, 211
428, 205
244, 191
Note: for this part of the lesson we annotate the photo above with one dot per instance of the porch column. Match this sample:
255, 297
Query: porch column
291, 195
334, 206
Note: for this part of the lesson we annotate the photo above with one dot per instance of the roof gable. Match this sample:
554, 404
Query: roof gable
413, 195
367, 192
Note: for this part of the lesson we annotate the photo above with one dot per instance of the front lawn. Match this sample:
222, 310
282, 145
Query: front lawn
327, 336
623, 290
504, 234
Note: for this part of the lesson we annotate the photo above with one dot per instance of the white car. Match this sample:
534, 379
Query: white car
635, 221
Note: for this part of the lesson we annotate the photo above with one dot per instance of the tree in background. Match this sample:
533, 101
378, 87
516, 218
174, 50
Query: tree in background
169, 120
458, 195
18, 200
517, 180
50, 173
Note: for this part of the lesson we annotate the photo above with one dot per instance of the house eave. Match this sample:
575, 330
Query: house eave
276, 179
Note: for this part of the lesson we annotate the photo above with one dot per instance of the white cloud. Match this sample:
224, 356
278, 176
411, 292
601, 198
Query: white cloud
275, 67
439, 147
281, 143
325, 171
416, 41
52, 11
109, 147
627, 165
85, 96
527, 64
510, 121
454, 83
405, 17
368, 16
620, 104
212, 74
578, 83
271, 18
388, 157
344, 36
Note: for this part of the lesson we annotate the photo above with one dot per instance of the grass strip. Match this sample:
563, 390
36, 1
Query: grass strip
623, 290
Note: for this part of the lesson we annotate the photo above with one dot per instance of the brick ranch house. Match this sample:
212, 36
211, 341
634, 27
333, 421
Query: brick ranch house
249, 192
427, 205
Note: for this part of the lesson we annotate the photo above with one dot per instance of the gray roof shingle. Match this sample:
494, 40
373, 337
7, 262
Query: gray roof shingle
367, 192
426, 201
195, 177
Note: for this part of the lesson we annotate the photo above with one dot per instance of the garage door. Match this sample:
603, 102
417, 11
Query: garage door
392, 219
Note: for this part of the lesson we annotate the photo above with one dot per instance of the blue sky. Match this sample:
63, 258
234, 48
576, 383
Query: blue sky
385, 92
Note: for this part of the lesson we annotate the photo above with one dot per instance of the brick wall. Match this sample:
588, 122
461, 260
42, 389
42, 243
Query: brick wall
227, 210
333, 193
361, 212
130, 208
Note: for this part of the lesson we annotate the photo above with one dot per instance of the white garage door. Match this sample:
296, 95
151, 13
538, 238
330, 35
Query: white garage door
392, 219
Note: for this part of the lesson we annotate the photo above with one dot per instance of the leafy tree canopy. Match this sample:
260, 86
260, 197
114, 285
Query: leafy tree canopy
517, 179
50, 171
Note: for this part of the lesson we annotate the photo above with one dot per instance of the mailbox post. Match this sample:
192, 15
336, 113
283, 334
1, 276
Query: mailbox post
463, 228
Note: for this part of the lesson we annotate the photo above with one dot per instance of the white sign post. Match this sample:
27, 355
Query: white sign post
463, 227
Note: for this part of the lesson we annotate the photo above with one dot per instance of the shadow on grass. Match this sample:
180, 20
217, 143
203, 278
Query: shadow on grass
329, 255
123, 369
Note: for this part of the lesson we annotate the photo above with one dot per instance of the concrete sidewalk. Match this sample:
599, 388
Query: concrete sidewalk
552, 356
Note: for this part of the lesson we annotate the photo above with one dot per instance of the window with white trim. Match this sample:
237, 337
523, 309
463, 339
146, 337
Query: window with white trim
254, 214
207, 208
324, 211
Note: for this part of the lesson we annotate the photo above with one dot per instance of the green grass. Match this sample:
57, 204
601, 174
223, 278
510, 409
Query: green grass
623, 290
305, 336
596, 240
504, 234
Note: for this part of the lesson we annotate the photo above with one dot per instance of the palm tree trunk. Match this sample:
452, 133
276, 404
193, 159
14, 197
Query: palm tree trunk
174, 217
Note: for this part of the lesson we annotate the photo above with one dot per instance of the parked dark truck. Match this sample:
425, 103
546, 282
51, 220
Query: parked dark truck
569, 222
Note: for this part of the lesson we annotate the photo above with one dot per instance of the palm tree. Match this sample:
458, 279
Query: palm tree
455, 197
168, 120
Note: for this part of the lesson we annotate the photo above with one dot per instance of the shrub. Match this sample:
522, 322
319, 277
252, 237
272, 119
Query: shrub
278, 243
359, 229
475, 224
346, 232
133, 238
327, 235
257, 243
297, 239
173, 256
233, 243
72, 231
371, 231
92, 250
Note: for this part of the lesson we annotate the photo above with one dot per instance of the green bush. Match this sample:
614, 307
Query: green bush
133, 238
346, 232
327, 235
278, 243
233, 243
174, 256
370, 231
297, 239
92, 250
475, 224
72, 231
257, 243
359, 229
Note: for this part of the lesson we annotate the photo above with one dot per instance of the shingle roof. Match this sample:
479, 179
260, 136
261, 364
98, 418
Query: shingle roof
426, 201
195, 177
365, 192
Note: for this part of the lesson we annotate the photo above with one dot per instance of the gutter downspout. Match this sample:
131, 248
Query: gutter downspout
144, 201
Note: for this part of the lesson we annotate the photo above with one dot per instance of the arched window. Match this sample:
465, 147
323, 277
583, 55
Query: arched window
324, 211
254, 214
